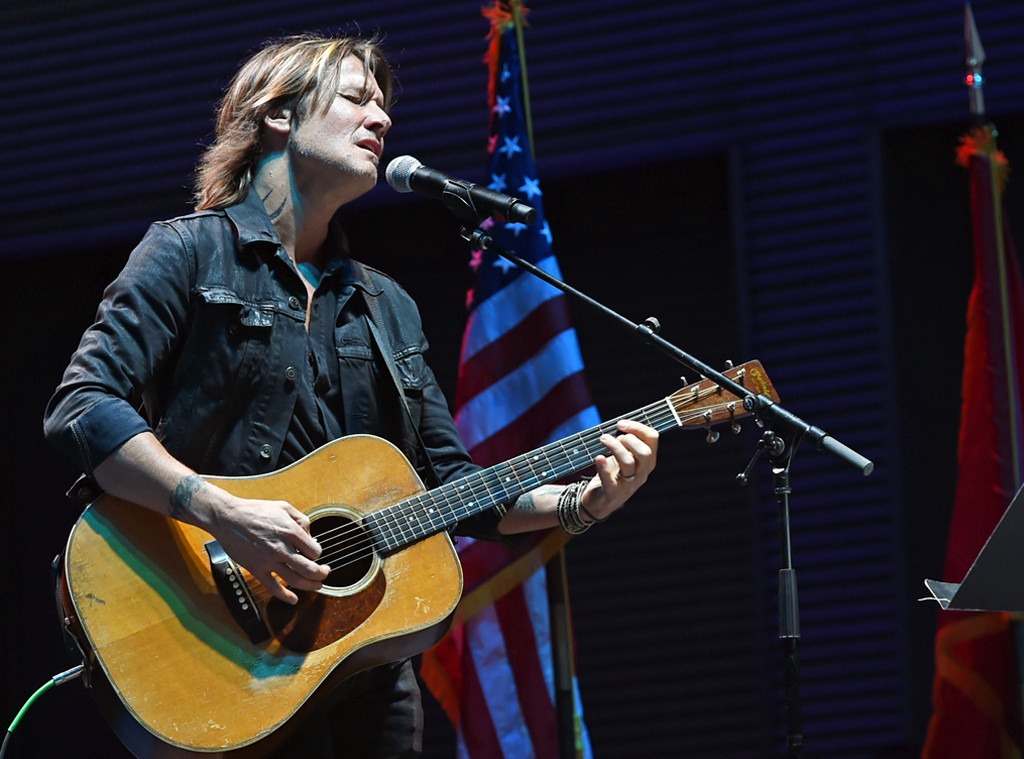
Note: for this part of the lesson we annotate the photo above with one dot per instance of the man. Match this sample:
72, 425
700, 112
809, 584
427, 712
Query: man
250, 338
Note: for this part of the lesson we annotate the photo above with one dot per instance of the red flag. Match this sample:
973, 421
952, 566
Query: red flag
521, 385
976, 696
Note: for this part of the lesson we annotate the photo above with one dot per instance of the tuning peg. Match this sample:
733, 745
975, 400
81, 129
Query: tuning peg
712, 436
729, 364
733, 424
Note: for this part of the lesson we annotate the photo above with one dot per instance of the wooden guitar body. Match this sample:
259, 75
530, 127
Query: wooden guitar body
171, 643
173, 658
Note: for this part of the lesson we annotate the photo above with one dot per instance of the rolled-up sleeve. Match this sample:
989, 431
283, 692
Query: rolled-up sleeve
120, 357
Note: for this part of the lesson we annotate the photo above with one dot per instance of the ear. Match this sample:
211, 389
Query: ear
278, 121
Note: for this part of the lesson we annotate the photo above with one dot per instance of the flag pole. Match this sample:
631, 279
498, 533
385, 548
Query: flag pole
985, 137
569, 742
986, 134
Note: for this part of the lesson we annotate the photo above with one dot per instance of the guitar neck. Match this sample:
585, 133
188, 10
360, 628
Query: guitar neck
702, 404
440, 509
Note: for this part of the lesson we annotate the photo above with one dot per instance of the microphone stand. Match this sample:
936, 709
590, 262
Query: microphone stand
779, 446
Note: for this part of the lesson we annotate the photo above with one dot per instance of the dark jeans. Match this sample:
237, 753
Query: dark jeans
375, 714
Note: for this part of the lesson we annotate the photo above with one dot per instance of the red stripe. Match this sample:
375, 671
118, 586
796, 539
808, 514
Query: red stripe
523, 654
442, 673
477, 725
482, 560
502, 356
533, 428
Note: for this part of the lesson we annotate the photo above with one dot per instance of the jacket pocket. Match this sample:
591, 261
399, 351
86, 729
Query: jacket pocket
218, 374
233, 339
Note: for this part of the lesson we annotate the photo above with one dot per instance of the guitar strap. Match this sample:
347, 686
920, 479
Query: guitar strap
380, 337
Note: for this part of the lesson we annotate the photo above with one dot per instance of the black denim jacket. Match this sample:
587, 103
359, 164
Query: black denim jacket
196, 340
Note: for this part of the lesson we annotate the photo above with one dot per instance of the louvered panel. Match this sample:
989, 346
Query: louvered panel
113, 99
814, 303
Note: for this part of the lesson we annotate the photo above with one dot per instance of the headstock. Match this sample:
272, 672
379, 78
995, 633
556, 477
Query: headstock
705, 404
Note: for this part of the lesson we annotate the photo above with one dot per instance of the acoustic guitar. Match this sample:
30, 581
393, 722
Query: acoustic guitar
188, 657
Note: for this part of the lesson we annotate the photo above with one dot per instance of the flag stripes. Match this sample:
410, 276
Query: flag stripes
504, 310
526, 338
488, 414
520, 386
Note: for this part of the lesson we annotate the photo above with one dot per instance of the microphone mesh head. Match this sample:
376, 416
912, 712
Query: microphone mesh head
399, 171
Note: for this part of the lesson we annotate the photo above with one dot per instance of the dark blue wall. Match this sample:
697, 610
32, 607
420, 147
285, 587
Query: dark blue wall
772, 180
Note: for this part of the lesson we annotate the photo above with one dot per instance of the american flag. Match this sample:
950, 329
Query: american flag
521, 385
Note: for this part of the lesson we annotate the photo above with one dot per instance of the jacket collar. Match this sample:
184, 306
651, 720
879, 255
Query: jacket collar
252, 222
254, 228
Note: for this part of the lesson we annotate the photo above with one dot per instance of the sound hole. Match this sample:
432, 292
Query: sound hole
347, 549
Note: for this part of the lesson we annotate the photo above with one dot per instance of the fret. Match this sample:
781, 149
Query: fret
405, 523
492, 485
470, 495
508, 480
431, 514
440, 509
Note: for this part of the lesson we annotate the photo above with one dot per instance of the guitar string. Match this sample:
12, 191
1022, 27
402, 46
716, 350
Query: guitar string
353, 536
355, 532
477, 486
394, 520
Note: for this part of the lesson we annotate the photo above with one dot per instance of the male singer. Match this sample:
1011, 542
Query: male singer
242, 332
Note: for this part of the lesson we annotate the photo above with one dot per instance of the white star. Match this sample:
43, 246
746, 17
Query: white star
531, 187
501, 107
504, 264
511, 146
498, 183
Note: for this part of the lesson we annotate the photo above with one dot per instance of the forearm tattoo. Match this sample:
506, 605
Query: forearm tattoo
181, 498
527, 504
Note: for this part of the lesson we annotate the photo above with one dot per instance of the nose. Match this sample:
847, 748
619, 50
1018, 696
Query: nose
377, 119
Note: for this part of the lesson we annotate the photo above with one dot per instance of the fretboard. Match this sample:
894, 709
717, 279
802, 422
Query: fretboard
440, 509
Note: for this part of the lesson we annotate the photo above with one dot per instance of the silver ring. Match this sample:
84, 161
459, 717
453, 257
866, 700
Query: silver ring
621, 476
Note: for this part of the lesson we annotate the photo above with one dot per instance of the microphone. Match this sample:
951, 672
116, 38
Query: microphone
406, 174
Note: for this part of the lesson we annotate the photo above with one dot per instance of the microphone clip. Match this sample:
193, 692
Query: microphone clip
458, 199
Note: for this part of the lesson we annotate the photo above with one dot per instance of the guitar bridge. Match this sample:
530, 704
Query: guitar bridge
236, 593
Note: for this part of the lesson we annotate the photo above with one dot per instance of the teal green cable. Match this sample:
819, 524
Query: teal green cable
32, 699
60, 679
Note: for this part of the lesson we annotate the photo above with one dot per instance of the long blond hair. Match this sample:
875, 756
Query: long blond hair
299, 72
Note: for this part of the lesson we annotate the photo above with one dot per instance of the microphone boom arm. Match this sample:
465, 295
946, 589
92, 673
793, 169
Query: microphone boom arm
760, 405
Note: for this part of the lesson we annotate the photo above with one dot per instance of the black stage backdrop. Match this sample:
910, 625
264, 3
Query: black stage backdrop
769, 180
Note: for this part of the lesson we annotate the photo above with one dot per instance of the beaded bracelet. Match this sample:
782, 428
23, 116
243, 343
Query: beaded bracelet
569, 509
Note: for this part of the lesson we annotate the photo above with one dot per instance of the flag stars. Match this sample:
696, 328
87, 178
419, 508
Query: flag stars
504, 264
511, 146
501, 106
545, 232
498, 182
531, 186
515, 227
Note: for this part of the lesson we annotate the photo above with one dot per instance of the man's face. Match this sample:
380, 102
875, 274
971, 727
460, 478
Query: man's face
345, 144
